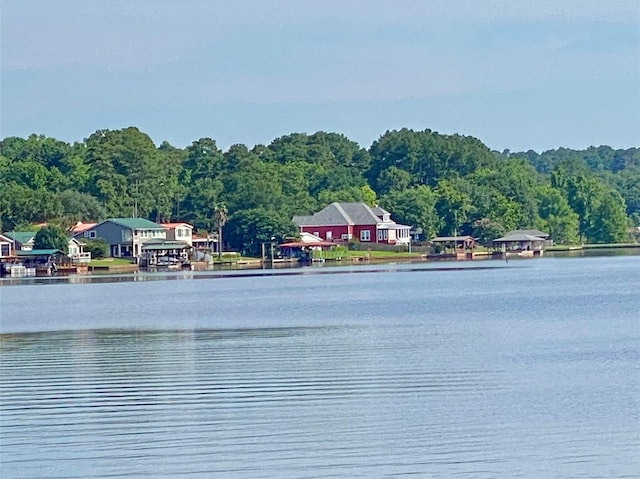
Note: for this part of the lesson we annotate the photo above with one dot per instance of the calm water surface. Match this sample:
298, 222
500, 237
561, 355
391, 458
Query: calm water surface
522, 369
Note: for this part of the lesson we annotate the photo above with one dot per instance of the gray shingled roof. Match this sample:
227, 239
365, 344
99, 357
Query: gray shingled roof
340, 214
380, 212
302, 220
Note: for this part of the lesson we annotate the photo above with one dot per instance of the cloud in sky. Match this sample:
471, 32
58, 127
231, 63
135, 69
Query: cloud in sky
515, 74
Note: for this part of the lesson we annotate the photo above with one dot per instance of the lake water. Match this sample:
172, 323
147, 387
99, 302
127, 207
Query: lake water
488, 369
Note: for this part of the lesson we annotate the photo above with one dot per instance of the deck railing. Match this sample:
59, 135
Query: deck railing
80, 258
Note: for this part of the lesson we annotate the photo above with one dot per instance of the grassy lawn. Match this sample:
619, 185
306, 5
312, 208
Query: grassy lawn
231, 258
381, 254
234, 259
109, 262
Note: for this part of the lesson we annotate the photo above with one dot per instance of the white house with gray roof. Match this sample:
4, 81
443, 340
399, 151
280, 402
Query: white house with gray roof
354, 221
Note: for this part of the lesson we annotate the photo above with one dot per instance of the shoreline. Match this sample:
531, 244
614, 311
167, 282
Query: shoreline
256, 268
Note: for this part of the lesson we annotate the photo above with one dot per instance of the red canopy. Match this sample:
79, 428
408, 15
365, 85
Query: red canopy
301, 244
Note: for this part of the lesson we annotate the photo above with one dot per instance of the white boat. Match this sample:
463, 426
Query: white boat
16, 270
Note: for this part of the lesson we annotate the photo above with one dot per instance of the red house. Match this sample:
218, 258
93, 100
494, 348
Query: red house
358, 221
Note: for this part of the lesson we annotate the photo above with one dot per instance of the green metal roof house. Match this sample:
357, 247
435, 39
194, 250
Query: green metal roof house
23, 239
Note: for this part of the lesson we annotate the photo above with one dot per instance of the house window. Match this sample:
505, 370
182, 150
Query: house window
385, 234
92, 234
365, 235
379, 235
86, 234
187, 232
179, 231
329, 235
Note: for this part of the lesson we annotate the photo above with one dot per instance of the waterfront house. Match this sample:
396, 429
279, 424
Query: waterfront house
208, 243
8, 260
80, 227
125, 236
75, 251
340, 222
22, 240
7, 248
179, 232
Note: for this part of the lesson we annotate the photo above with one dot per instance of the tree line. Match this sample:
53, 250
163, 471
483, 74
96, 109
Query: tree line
442, 184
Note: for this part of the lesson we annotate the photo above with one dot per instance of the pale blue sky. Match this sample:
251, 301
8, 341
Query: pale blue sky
516, 74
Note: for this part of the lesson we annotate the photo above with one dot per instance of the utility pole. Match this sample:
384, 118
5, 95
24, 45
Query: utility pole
272, 258
135, 201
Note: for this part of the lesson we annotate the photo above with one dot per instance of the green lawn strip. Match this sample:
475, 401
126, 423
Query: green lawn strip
381, 254
561, 247
109, 262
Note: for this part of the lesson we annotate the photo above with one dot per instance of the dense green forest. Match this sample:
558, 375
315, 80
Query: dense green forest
439, 183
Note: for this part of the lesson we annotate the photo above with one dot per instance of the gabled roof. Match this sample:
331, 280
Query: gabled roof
175, 225
135, 223
21, 236
379, 212
340, 214
79, 227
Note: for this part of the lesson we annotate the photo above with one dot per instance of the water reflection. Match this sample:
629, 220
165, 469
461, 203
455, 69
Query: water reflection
179, 275
263, 403
520, 370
